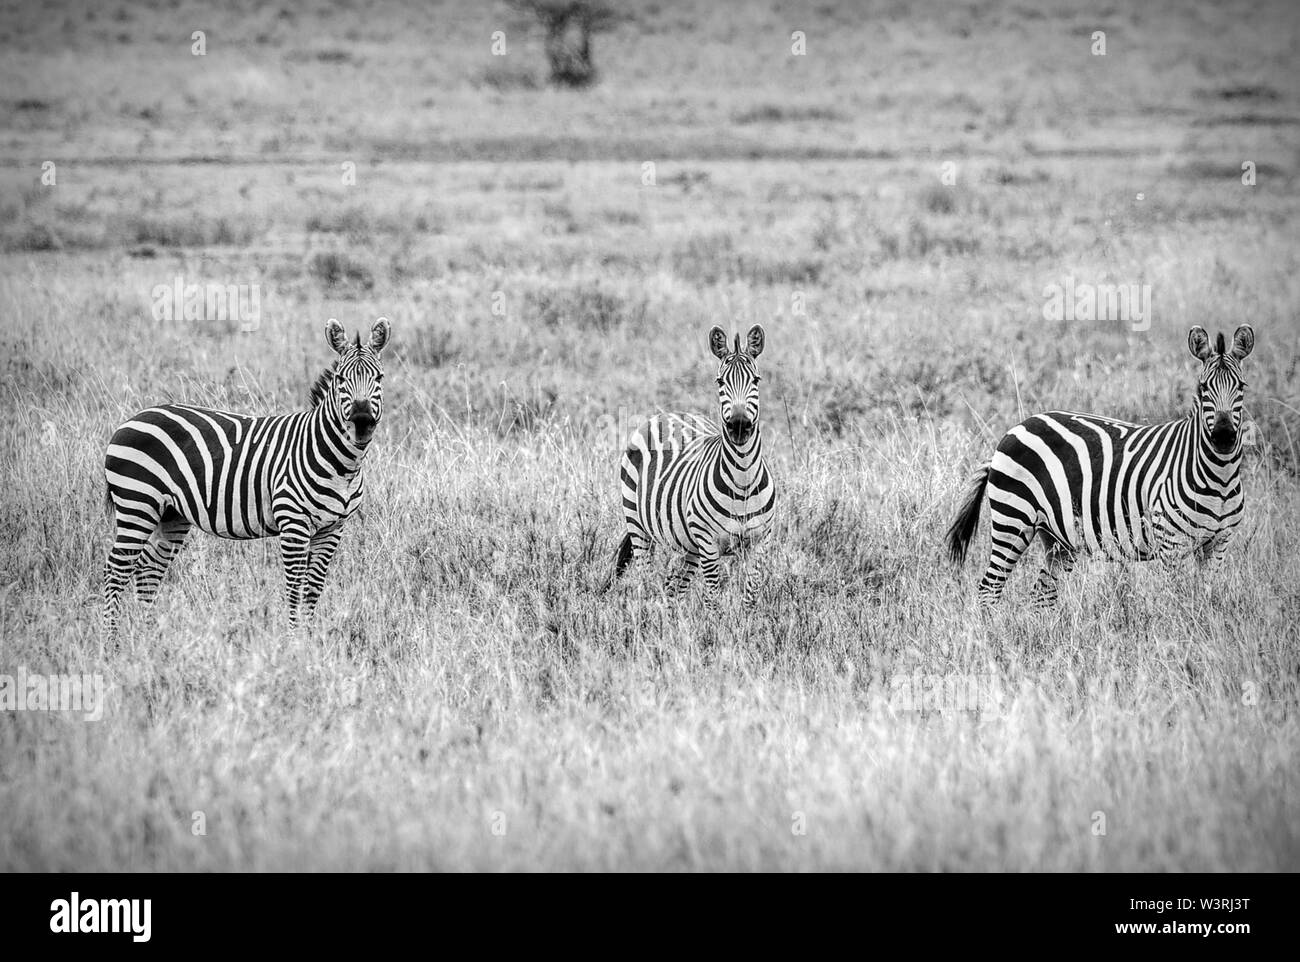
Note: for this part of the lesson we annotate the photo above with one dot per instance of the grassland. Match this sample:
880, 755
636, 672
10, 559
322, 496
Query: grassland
467, 699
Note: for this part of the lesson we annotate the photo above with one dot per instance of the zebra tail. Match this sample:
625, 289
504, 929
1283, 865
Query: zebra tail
968, 517
621, 561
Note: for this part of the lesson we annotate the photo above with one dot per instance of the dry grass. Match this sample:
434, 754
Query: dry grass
464, 674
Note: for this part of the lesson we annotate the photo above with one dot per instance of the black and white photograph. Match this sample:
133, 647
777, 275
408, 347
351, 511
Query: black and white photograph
650, 436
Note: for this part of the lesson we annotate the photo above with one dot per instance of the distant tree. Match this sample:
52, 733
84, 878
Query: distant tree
569, 25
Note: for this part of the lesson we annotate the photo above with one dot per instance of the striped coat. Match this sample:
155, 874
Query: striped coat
298, 476
1085, 483
700, 488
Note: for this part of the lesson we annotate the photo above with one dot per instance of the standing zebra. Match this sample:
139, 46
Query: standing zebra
704, 491
1121, 490
172, 467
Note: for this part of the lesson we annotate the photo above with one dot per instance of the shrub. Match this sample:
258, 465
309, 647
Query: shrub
584, 307
569, 25
339, 272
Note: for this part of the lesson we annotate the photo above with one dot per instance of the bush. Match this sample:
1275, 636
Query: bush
583, 307
339, 272
569, 25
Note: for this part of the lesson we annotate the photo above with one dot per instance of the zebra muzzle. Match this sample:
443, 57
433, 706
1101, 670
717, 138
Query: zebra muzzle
739, 430
363, 424
1224, 435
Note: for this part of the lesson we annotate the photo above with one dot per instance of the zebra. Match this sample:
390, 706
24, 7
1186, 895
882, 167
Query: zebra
173, 467
1086, 483
690, 486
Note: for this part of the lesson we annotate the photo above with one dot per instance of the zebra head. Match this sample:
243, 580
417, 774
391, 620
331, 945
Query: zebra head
738, 382
357, 389
1220, 389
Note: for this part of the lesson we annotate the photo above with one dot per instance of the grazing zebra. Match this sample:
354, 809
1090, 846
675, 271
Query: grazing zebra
1092, 484
173, 467
707, 492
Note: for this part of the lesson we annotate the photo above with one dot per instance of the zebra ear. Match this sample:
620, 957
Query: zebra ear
718, 342
336, 336
1198, 342
755, 340
379, 334
1243, 342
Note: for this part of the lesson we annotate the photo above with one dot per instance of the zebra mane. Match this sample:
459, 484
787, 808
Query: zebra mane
319, 389
1220, 346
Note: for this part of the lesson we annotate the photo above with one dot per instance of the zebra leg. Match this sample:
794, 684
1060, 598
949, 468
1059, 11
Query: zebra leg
295, 543
752, 558
1059, 561
634, 549
710, 563
642, 548
1172, 545
1212, 552
321, 553
162, 547
1009, 543
132, 528
679, 580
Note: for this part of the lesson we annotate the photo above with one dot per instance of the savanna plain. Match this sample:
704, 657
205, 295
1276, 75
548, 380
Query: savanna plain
467, 698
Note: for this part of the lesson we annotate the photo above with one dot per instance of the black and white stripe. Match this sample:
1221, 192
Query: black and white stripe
696, 488
174, 467
1085, 483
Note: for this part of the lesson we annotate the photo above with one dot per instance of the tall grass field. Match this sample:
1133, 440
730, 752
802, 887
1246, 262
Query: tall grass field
890, 204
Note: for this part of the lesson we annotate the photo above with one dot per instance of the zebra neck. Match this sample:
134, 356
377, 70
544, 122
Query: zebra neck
329, 435
1209, 470
742, 464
